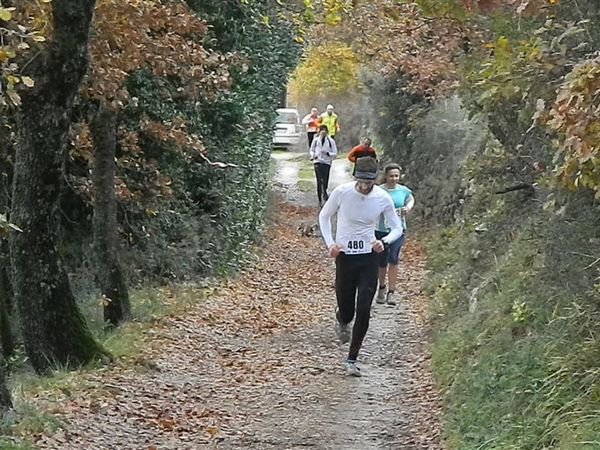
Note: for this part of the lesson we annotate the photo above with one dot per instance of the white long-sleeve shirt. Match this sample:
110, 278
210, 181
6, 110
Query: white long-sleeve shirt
322, 150
357, 215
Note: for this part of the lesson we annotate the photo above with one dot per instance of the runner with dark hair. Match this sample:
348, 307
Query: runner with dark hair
389, 259
361, 151
358, 206
322, 152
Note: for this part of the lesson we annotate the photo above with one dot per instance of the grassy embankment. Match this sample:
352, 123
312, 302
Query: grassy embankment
515, 311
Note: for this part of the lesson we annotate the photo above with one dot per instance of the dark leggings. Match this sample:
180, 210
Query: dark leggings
322, 174
355, 273
311, 136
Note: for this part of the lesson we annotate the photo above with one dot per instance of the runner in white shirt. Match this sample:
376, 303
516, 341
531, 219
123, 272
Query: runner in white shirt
322, 152
358, 206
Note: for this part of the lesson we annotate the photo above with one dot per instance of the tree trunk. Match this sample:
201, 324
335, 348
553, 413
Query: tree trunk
6, 152
109, 274
54, 331
5, 403
6, 340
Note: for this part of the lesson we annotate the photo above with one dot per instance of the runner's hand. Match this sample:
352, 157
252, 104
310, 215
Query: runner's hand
377, 246
334, 250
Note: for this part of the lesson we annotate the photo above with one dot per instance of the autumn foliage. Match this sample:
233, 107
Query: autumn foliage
506, 56
21, 31
191, 107
165, 37
166, 40
575, 115
314, 76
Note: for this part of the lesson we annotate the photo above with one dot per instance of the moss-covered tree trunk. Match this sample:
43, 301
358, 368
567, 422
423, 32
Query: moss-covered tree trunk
6, 151
108, 270
54, 331
6, 340
5, 403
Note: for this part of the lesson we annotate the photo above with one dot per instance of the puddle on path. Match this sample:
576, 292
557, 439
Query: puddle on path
301, 191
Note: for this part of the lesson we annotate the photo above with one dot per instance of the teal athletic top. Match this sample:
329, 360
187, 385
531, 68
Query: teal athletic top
400, 195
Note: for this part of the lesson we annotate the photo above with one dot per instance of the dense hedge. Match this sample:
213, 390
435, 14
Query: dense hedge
204, 221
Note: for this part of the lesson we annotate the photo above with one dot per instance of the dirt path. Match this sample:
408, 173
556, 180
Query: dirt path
256, 366
287, 176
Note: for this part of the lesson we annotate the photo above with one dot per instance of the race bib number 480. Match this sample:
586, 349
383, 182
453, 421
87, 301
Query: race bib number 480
358, 246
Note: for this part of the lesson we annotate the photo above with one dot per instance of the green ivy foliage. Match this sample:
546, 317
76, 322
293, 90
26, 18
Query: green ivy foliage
212, 215
239, 125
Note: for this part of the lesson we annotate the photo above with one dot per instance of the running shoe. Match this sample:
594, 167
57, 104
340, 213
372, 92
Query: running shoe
380, 295
352, 369
391, 298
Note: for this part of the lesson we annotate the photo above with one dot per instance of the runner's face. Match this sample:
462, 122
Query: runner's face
392, 177
365, 186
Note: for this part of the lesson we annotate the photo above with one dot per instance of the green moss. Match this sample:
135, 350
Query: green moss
8, 445
306, 173
306, 186
33, 422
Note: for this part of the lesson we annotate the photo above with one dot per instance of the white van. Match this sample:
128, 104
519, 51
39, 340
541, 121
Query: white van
287, 127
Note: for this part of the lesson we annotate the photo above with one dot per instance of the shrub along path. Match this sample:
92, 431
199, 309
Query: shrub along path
255, 364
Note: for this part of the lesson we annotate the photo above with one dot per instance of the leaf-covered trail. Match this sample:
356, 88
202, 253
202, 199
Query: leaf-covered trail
256, 365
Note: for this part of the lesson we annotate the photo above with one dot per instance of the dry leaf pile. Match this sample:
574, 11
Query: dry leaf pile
256, 365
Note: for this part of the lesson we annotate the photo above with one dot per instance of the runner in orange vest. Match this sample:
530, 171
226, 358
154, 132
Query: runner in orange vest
311, 121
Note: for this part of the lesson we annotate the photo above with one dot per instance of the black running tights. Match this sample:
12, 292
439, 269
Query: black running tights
322, 174
355, 285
